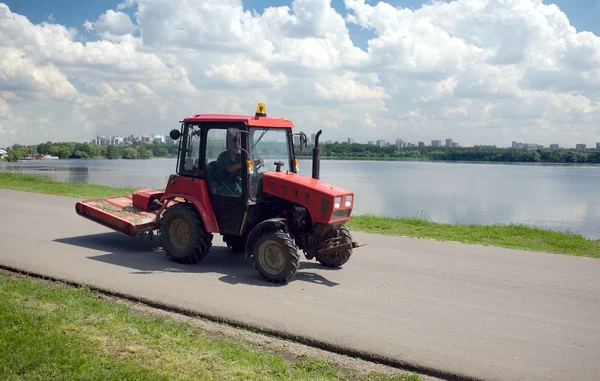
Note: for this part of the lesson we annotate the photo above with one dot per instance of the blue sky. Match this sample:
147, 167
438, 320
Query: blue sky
583, 14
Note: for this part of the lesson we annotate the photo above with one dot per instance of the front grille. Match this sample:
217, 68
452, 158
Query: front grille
340, 213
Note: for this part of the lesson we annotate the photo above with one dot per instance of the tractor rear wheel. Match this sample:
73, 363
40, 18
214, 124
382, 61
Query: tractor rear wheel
183, 235
276, 256
338, 258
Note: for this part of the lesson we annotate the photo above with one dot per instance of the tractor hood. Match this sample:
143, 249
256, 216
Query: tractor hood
326, 203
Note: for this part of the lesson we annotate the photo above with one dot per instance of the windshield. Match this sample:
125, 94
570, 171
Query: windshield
270, 145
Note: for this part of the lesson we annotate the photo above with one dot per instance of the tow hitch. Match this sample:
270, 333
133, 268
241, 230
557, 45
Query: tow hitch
343, 246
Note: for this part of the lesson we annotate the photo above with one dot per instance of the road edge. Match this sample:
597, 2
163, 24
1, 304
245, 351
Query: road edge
318, 344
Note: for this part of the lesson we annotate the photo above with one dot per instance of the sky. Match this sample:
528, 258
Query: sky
475, 71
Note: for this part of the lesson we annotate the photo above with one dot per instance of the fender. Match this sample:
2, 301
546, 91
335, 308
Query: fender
209, 219
266, 225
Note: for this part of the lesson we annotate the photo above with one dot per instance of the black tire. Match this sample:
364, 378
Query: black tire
282, 265
236, 243
338, 258
183, 236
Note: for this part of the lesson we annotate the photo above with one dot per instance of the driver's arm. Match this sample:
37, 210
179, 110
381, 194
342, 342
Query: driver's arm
233, 167
223, 160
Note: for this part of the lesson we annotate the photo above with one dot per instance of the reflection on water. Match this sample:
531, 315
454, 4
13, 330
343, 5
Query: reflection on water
57, 173
555, 197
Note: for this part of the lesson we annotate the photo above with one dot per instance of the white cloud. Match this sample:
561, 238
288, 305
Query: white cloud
20, 76
346, 88
243, 72
479, 72
4, 109
112, 25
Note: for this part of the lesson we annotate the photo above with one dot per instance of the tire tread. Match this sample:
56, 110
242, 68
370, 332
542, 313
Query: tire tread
202, 239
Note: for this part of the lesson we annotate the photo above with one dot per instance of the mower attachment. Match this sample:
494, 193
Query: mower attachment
129, 214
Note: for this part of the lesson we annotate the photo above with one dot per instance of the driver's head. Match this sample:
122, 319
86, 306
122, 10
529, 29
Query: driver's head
234, 148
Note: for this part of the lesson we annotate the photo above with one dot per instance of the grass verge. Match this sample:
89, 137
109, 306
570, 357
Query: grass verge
55, 331
512, 236
37, 184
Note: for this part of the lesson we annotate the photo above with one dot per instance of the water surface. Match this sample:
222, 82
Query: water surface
549, 196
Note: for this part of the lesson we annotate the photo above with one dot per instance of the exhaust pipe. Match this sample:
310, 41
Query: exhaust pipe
316, 157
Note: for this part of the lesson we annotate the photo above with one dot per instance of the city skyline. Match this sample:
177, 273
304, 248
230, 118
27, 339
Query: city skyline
398, 142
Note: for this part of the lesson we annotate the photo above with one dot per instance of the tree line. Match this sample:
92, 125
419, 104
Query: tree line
369, 151
74, 150
138, 150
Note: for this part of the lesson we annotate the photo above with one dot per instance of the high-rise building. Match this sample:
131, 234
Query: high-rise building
554, 146
580, 147
531, 147
449, 143
421, 144
598, 146
312, 138
350, 140
436, 143
455, 145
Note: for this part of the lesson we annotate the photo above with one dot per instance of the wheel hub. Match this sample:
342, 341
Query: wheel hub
272, 257
179, 233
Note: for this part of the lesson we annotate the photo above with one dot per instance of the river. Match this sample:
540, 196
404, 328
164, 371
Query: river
548, 196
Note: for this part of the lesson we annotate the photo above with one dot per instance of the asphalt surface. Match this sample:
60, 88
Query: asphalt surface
483, 312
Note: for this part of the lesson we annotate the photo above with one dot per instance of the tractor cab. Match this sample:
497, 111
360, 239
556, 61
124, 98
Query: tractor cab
231, 153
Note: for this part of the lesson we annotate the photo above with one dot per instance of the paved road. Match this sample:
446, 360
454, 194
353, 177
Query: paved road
489, 313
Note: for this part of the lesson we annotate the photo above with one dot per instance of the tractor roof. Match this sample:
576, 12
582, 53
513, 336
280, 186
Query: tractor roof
250, 120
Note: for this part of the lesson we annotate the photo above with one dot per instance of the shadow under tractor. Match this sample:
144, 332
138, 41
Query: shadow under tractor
237, 176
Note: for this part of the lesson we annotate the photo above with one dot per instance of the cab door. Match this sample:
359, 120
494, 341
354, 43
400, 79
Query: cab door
227, 189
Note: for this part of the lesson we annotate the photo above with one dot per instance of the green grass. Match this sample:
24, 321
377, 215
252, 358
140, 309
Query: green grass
37, 184
510, 235
59, 332
514, 236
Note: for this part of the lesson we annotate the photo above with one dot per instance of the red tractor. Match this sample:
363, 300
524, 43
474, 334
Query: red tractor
238, 176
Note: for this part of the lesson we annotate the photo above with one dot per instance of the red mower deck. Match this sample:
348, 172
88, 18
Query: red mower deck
118, 213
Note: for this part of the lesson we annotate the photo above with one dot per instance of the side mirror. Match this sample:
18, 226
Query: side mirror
175, 134
303, 141
233, 138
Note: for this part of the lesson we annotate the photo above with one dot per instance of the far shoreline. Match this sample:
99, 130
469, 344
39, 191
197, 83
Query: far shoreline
350, 159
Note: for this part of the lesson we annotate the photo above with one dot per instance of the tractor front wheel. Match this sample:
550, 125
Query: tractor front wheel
183, 235
276, 256
338, 258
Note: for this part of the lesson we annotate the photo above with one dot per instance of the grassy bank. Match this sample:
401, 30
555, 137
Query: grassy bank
509, 236
512, 236
54, 331
37, 184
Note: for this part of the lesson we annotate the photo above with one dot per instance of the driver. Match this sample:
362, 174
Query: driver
229, 163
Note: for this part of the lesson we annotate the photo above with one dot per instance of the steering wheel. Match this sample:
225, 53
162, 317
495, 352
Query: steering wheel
258, 163
254, 179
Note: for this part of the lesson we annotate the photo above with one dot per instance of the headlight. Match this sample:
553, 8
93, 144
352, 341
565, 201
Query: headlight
337, 203
348, 201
